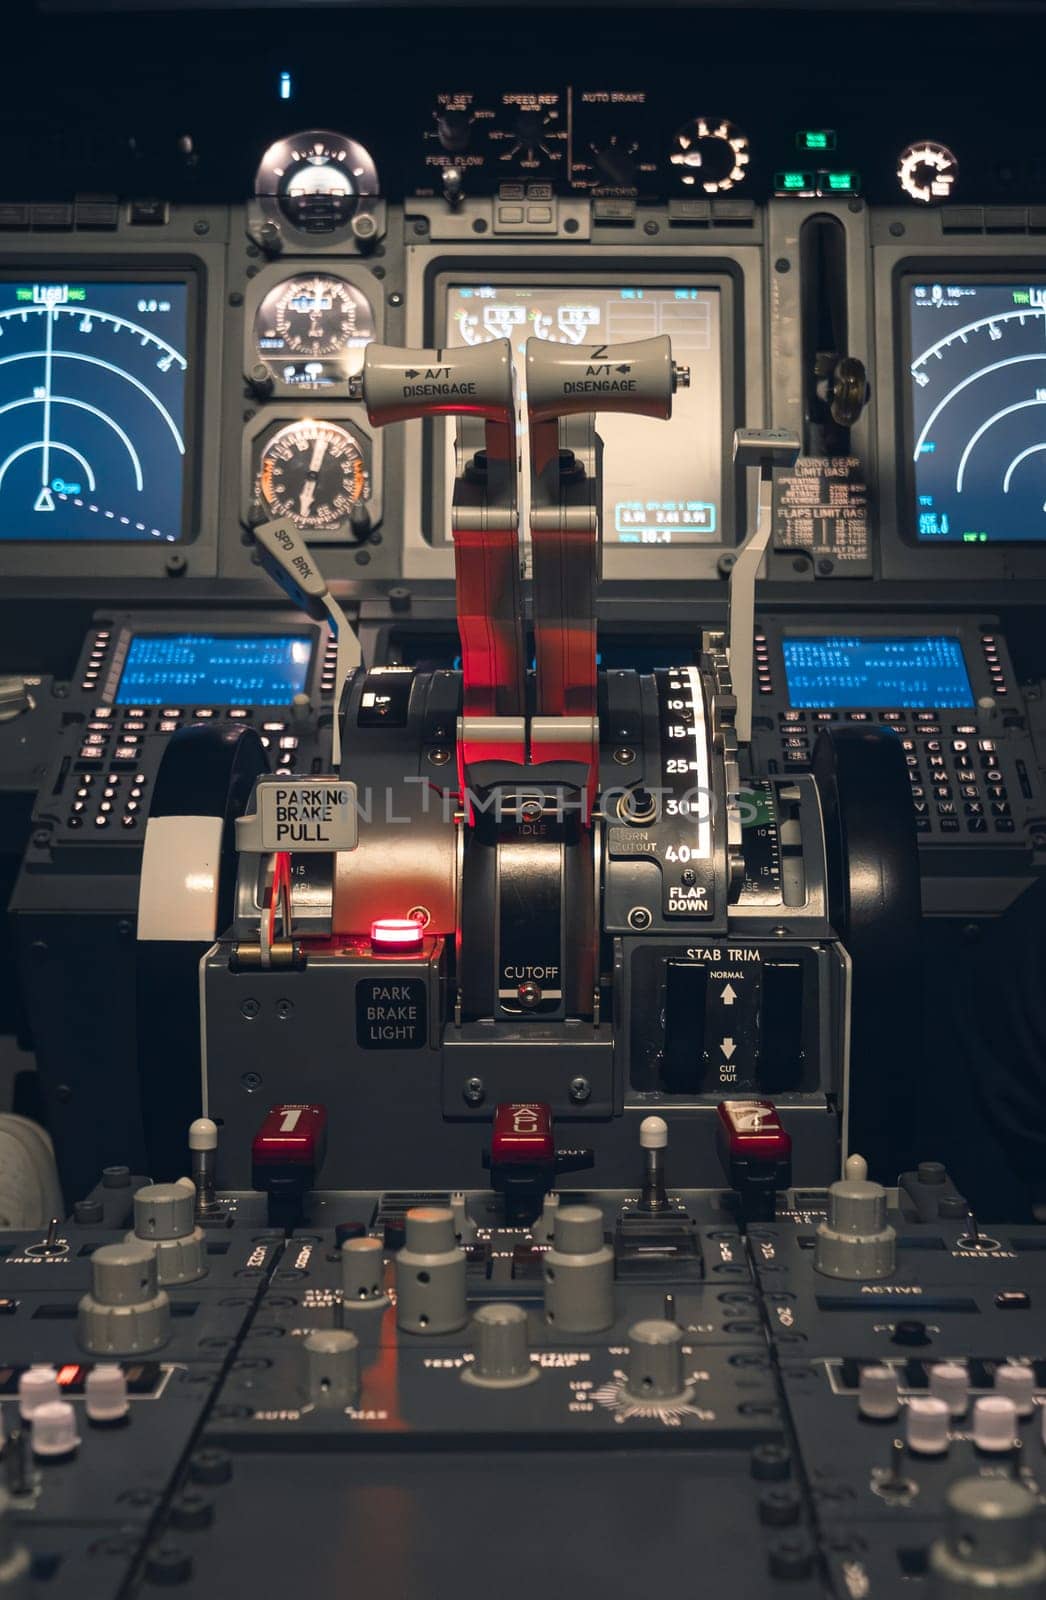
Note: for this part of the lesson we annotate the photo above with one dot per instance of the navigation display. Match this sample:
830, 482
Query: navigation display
214, 669
93, 389
977, 409
662, 481
864, 673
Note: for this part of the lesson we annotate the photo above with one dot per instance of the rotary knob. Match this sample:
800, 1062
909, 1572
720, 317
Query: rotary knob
430, 1274
655, 1361
856, 1242
501, 1349
363, 1274
454, 130
164, 1215
126, 1313
990, 1545
579, 1273
332, 1368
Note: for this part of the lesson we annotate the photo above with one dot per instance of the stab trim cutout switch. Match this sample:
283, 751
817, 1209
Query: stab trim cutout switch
756, 1154
286, 1156
523, 1158
856, 1242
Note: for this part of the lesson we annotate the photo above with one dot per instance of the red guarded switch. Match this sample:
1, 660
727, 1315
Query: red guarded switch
523, 1136
756, 1152
286, 1156
291, 1136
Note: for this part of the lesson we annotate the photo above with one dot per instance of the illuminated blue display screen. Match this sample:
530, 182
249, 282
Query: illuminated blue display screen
94, 384
863, 673
200, 669
978, 410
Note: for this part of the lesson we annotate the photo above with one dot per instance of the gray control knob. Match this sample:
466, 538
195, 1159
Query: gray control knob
990, 1545
332, 1368
655, 1360
15, 698
126, 1313
856, 1241
15, 1561
579, 1273
363, 1274
501, 1348
164, 1215
430, 1274
544, 1227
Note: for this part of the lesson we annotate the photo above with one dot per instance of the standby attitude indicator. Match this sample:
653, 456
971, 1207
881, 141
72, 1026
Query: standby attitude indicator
93, 410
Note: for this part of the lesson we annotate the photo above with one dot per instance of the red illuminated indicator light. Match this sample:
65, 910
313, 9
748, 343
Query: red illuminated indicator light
395, 935
67, 1376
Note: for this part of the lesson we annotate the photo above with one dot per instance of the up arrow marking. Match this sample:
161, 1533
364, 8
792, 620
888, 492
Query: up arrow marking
729, 995
729, 1048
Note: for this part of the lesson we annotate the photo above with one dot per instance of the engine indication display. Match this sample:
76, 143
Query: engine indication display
93, 398
313, 472
662, 482
977, 410
311, 331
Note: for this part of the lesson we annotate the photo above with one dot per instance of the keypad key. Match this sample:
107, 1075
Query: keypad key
1004, 825
976, 825
949, 825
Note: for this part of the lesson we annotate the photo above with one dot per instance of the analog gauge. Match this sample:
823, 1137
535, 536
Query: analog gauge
315, 179
311, 332
927, 171
314, 473
530, 134
710, 155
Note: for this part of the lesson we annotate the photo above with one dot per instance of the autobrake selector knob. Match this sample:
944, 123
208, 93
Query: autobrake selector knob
164, 1215
126, 1313
856, 1242
332, 1368
501, 1349
990, 1544
430, 1274
578, 1273
655, 1360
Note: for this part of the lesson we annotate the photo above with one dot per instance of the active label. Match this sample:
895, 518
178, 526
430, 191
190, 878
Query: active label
304, 814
